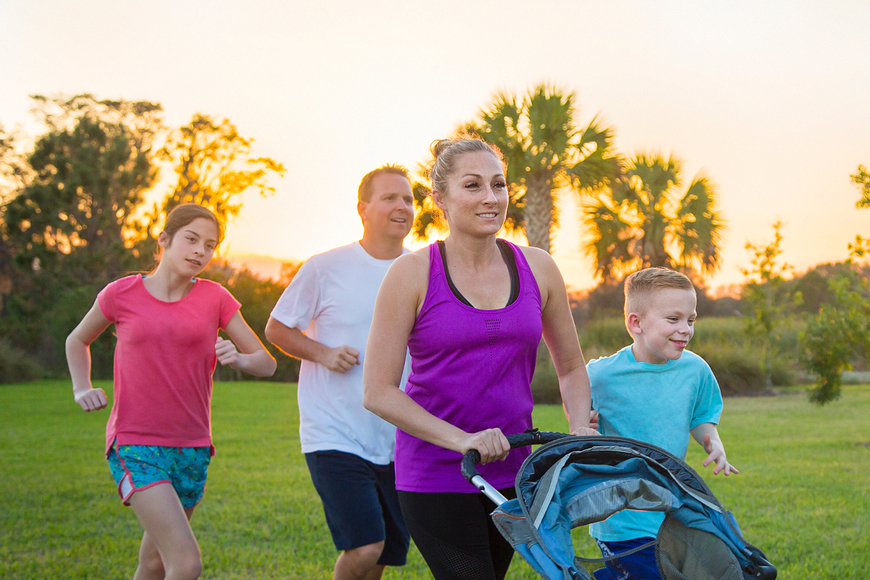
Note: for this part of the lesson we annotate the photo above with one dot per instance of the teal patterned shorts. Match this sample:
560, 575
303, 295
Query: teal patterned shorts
137, 467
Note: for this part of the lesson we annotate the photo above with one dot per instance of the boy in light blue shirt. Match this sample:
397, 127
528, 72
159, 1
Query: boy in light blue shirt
658, 392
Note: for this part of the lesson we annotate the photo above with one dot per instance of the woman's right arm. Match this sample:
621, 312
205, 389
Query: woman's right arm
78, 358
399, 300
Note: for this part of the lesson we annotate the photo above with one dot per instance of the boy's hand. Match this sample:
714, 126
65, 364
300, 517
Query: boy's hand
91, 400
716, 453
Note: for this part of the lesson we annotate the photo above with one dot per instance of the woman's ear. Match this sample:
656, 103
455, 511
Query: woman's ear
438, 199
163, 240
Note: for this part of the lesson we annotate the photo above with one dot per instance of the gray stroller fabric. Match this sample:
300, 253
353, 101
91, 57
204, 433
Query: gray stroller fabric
683, 553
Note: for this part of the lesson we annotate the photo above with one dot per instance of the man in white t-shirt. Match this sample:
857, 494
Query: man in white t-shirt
323, 318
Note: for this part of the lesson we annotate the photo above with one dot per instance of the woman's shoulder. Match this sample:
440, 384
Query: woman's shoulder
535, 256
412, 261
409, 273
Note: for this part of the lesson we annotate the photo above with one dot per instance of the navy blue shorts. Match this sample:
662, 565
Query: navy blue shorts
361, 504
638, 566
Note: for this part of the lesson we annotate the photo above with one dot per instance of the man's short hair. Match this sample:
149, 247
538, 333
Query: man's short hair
365, 186
641, 285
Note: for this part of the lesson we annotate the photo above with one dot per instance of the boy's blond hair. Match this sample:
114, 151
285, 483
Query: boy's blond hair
640, 286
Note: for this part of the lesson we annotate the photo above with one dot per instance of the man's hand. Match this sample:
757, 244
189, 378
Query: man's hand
341, 359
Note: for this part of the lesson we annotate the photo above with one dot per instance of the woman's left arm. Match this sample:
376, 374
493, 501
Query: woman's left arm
560, 335
253, 358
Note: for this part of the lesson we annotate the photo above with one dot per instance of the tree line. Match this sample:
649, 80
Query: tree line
74, 215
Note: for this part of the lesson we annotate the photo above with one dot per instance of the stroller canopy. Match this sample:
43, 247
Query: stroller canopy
576, 481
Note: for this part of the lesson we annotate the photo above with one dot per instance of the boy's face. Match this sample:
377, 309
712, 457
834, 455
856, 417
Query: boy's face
664, 330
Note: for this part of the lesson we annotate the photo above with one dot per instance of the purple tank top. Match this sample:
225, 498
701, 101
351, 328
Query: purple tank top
473, 368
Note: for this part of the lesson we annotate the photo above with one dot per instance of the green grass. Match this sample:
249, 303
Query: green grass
803, 494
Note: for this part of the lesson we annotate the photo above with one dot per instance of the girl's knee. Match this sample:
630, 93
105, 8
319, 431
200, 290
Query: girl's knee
151, 564
185, 566
189, 568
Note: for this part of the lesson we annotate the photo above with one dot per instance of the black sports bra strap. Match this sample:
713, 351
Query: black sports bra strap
509, 259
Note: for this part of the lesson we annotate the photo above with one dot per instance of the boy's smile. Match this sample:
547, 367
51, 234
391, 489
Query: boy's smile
665, 329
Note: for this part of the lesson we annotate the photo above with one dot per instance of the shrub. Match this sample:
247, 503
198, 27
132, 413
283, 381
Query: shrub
545, 384
737, 369
15, 365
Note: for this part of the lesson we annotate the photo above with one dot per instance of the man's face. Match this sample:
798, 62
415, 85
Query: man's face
390, 211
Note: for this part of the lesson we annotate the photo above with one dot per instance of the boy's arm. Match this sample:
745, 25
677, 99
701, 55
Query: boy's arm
707, 436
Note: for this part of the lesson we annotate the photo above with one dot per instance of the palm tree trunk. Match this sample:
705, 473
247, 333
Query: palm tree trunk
539, 214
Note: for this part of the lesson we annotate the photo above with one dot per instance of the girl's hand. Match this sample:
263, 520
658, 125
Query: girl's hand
227, 353
491, 444
91, 400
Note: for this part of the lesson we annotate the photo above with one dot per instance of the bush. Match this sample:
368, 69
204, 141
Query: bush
15, 365
545, 384
737, 370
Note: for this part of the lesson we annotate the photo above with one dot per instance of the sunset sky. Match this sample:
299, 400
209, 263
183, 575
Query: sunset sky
768, 99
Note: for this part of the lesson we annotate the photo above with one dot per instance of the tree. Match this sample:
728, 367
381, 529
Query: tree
546, 156
89, 175
769, 304
837, 333
644, 221
861, 178
72, 208
215, 166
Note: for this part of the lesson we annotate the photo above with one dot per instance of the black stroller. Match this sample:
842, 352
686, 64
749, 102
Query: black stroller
575, 481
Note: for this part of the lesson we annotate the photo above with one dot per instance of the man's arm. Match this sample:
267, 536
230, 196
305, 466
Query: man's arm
293, 342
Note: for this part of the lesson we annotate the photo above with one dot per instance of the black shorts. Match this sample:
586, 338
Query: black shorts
360, 502
455, 534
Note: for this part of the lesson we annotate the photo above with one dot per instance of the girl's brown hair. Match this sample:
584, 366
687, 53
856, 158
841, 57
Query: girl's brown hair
186, 213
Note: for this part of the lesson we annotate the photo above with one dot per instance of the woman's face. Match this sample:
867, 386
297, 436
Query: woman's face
476, 199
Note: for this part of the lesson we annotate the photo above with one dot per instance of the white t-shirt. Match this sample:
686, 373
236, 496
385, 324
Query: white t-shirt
332, 299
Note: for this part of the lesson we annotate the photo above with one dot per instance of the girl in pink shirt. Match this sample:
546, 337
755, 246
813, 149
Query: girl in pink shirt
158, 438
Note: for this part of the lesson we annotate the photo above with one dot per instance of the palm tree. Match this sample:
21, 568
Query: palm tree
545, 155
644, 221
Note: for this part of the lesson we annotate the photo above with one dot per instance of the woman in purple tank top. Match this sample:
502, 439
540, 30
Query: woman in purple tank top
471, 310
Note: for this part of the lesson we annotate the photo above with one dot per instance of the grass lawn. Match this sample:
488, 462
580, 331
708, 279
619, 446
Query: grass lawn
803, 494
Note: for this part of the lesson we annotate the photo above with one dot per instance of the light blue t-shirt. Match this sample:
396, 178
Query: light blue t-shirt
653, 403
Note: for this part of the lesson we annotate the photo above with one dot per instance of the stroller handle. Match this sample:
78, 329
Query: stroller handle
472, 458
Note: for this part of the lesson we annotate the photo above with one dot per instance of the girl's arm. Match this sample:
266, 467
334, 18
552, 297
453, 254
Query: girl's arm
399, 299
560, 335
253, 358
708, 436
78, 359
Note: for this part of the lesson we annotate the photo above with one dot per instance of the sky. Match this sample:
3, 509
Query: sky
767, 99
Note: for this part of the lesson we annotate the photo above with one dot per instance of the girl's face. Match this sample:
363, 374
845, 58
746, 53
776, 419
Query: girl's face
191, 248
476, 199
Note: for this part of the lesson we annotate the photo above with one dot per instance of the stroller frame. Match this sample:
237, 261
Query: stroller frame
609, 474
